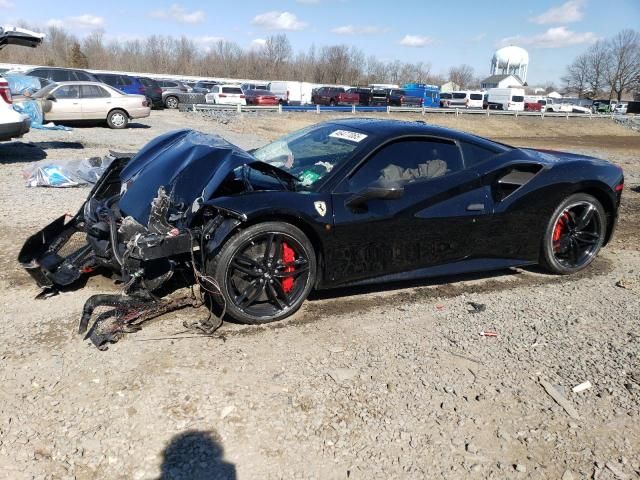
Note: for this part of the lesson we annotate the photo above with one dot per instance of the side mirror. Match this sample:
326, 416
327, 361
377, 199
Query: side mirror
387, 191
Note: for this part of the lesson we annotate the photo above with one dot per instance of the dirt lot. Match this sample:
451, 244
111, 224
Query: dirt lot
380, 382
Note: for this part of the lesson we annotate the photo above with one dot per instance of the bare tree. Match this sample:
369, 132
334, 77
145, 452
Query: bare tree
462, 75
277, 52
598, 59
623, 69
576, 77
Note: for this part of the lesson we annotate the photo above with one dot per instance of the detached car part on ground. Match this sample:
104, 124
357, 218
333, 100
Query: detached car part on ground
340, 203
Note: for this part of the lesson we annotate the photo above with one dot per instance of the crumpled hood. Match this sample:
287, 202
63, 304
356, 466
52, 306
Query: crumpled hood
188, 164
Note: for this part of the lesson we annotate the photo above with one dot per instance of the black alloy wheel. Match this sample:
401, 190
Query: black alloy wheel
265, 272
574, 234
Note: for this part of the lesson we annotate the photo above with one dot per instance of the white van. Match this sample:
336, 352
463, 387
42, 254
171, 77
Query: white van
505, 99
289, 93
462, 99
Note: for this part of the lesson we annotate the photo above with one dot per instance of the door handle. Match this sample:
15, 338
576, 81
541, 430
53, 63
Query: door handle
475, 207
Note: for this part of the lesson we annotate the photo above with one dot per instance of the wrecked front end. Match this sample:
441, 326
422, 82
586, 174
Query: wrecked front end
144, 221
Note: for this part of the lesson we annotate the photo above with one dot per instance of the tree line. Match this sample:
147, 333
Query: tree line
274, 59
609, 68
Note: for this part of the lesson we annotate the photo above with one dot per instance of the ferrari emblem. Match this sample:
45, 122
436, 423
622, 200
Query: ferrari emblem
321, 208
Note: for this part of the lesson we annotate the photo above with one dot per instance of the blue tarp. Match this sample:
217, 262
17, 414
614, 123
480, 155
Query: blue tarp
22, 84
32, 109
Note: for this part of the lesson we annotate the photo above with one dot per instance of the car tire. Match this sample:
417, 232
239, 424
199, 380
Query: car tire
117, 119
241, 263
570, 243
332, 103
171, 102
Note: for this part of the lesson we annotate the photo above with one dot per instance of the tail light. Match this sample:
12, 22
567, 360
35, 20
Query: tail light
242, 96
145, 103
5, 93
619, 187
222, 95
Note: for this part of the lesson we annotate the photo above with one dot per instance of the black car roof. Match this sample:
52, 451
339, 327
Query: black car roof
387, 129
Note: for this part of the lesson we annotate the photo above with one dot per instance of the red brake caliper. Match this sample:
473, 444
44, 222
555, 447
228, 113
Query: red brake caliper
559, 228
288, 256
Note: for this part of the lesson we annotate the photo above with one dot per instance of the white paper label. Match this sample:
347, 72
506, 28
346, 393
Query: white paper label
348, 135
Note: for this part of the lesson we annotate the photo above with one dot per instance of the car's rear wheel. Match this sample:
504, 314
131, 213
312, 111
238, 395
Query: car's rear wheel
171, 102
117, 119
264, 272
574, 235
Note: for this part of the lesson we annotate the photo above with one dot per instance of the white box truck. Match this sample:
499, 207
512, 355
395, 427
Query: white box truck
504, 99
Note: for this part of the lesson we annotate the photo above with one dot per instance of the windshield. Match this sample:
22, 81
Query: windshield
43, 92
311, 153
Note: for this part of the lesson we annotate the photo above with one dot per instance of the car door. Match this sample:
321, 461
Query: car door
66, 105
434, 222
96, 102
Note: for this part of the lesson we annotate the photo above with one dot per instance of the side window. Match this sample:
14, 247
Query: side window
83, 77
67, 91
93, 91
124, 80
475, 154
407, 161
40, 73
60, 76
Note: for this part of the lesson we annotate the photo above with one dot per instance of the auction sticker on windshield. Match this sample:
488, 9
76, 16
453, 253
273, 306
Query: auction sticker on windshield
348, 135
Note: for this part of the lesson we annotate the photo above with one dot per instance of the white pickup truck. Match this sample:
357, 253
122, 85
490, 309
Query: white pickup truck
551, 105
12, 123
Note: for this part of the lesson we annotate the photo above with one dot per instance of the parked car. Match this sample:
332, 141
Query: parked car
364, 95
379, 97
620, 109
461, 99
226, 95
253, 86
333, 96
601, 106
124, 83
260, 97
203, 86
12, 123
532, 106
504, 99
61, 74
430, 94
291, 93
344, 202
559, 106
90, 101
399, 98
152, 91
189, 84
170, 91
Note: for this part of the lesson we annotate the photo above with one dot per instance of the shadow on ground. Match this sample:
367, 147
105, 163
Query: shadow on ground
196, 455
18, 152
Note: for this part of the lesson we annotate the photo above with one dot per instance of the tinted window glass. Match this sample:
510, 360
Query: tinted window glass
40, 72
476, 96
517, 98
83, 76
60, 75
93, 91
445, 95
459, 95
408, 161
146, 82
474, 154
67, 91
124, 80
236, 90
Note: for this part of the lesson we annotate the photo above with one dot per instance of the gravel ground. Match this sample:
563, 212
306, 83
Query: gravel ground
379, 382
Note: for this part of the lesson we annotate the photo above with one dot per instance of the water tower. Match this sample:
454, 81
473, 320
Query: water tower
510, 60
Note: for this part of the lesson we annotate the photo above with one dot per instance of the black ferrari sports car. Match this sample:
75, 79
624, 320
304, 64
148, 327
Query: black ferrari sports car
339, 203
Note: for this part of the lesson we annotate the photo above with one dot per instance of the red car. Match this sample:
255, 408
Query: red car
334, 96
260, 97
